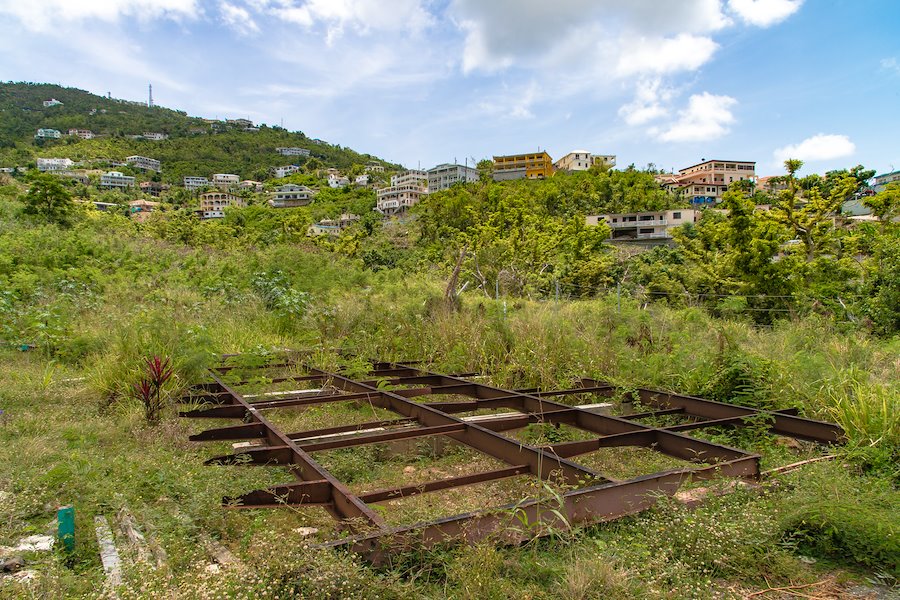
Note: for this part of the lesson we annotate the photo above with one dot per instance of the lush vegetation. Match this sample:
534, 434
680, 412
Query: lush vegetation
95, 294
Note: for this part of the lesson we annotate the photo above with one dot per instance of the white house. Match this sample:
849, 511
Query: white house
361, 180
443, 176
648, 225
52, 102
282, 172
144, 163
213, 204
155, 136
225, 180
195, 183
85, 134
45, 134
292, 151
337, 181
54, 164
116, 180
292, 195
406, 189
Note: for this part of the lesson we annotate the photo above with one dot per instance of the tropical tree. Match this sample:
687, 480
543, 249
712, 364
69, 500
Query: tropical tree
48, 200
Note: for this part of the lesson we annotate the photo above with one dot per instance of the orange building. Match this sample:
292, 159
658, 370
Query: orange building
536, 165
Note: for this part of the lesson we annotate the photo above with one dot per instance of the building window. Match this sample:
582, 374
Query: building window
645, 230
676, 215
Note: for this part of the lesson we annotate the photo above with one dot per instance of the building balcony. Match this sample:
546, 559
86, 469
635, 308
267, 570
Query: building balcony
634, 224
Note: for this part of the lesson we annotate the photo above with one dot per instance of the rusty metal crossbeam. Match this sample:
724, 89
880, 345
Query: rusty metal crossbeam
588, 496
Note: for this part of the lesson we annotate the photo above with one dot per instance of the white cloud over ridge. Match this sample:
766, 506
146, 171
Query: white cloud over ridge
818, 147
238, 19
764, 13
707, 117
45, 15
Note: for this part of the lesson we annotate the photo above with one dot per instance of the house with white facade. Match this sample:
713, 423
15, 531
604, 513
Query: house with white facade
51, 102
225, 180
406, 189
444, 176
249, 184
213, 204
374, 168
144, 163
155, 136
707, 182
47, 134
645, 226
116, 180
291, 196
337, 181
282, 172
361, 180
292, 151
192, 182
85, 134
582, 160
54, 164
332, 226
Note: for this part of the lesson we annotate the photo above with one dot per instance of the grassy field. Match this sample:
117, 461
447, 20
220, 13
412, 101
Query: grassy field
96, 299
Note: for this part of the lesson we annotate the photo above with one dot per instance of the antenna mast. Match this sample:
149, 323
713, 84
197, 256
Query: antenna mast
150, 98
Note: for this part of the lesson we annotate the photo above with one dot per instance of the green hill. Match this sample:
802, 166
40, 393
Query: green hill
195, 146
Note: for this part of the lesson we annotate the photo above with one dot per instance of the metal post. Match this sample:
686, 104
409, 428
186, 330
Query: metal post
619, 297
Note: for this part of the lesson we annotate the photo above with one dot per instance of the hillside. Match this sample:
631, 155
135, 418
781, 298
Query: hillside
194, 146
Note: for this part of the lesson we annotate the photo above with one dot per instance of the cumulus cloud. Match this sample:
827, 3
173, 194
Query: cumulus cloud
818, 147
649, 103
604, 34
706, 118
361, 16
47, 14
764, 13
238, 19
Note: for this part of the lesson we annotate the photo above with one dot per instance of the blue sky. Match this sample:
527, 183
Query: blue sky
426, 81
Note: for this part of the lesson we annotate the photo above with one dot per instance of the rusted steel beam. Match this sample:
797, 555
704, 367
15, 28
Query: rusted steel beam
309, 400
247, 431
582, 506
226, 368
727, 422
314, 433
306, 493
381, 437
254, 457
443, 484
230, 411
653, 413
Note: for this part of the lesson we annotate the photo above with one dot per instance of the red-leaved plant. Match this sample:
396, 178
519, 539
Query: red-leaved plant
149, 388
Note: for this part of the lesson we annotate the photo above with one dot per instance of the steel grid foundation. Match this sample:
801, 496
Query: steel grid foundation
587, 497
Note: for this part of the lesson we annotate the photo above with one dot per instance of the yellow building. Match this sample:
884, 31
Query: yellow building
536, 165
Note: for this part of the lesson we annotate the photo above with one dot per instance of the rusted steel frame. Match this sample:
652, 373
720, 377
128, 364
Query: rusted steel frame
238, 411
270, 380
443, 484
542, 464
382, 436
306, 493
343, 503
681, 446
579, 507
564, 392
780, 423
727, 422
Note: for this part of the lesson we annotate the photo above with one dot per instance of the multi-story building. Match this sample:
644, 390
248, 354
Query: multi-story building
213, 204
881, 181
361, 180
706, 182
154, 188
337, 181
374, 168
536, 165
54, 164
582, 160
242, 123
116, 180
292, 151
282, 172
445, 175
155, 136
144, 163
51, 102
406, 189
249, 184
85, 134
650, 225
291, 196
47, 134
195, 183
225, 180
604, 159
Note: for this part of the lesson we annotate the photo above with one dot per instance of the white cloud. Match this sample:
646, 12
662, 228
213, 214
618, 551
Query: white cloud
45, 15
649, 103
891, 64
706, 118
238, 19
764, 13
361, 16
818, 147
601, 35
